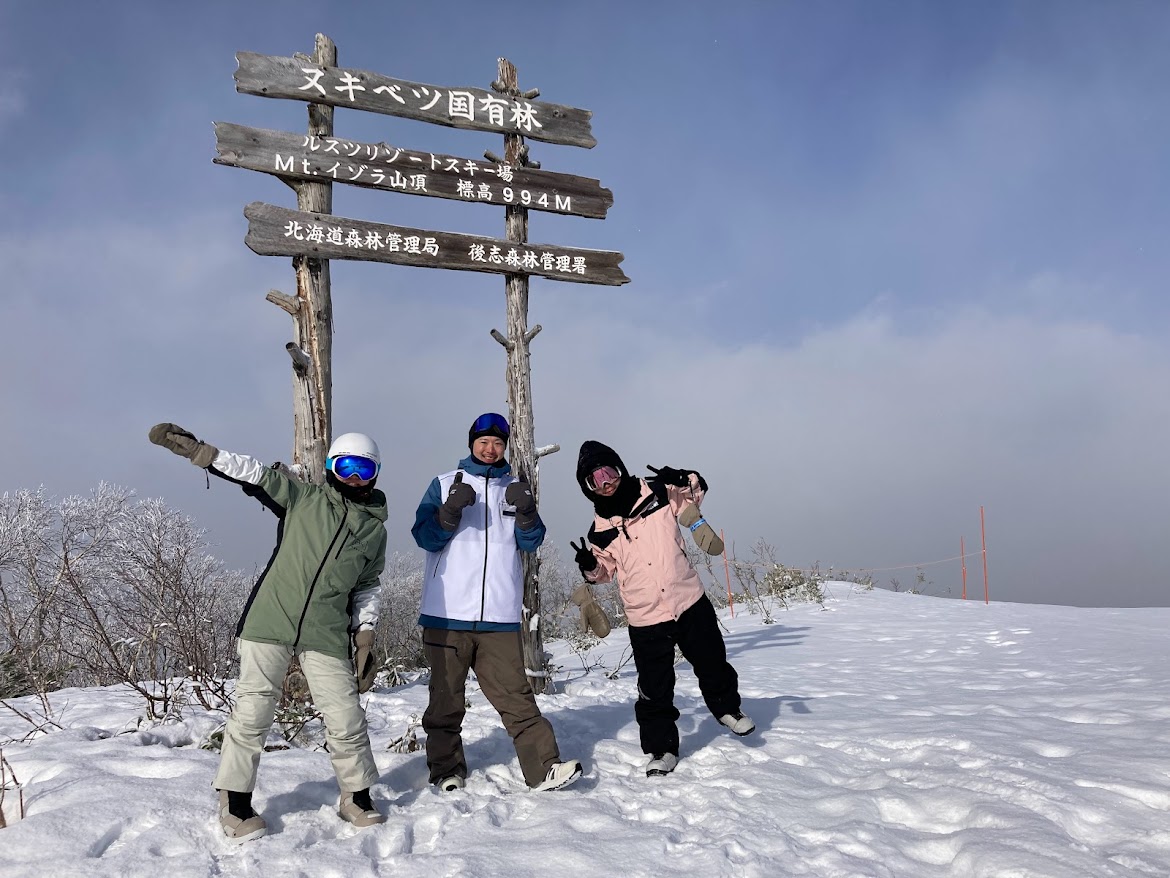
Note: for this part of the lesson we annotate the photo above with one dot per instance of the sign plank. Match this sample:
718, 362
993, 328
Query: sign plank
273, 76
390, 168
278, 231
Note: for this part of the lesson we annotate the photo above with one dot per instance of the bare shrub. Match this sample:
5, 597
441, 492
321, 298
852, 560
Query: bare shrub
398, 645
9, 784
766, 583
108, 589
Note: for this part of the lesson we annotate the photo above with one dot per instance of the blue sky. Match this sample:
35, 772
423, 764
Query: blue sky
889, 262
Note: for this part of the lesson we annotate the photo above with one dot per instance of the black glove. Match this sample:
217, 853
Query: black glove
668, 475
183, 443
459, 497
584, 556
519, 494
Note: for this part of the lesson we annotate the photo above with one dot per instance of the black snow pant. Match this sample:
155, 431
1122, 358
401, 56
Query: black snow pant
697, 634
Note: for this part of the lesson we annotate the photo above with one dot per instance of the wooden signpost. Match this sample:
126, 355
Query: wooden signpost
312, 162
308, 79
381, 166
277, 231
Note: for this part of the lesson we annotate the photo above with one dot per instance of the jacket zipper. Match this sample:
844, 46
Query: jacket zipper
487, 515
317, 575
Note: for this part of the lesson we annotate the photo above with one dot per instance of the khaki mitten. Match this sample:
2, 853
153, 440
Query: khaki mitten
705, 537
364, 665
592, 615
183, 443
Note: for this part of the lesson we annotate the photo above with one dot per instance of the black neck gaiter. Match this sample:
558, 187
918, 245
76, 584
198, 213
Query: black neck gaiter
353, 493
621, 503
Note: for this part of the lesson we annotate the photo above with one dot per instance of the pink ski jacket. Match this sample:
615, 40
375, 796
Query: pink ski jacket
645, 551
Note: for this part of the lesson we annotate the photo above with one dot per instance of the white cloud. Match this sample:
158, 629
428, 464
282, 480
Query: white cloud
865, 444
12, 101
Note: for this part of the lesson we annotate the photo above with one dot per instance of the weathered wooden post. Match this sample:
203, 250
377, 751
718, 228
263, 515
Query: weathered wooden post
312, 311
522, 453
313, 236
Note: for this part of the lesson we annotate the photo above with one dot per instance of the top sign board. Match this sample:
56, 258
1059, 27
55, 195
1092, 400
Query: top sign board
476, 109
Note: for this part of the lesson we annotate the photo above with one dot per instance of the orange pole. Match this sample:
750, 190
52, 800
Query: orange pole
727, 573
963, 558
983, 531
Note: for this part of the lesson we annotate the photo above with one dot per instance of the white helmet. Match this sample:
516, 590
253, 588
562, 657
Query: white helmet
355, 443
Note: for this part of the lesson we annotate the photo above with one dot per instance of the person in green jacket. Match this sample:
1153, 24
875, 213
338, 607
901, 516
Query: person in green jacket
318, 600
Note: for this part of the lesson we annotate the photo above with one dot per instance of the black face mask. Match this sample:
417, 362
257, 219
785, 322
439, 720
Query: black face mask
354, 493
621, 502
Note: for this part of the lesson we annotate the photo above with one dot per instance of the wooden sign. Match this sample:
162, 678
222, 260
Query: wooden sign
271, 76
380, 166
278, 231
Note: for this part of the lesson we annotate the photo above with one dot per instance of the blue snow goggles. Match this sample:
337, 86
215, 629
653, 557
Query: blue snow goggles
491, 423
345, 465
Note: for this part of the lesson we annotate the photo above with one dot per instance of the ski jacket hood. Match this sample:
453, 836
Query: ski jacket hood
594, 454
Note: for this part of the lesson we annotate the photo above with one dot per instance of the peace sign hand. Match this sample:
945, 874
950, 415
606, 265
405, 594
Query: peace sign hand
668, 475
584, 556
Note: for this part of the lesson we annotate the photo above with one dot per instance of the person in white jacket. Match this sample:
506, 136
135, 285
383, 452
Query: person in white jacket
474, 522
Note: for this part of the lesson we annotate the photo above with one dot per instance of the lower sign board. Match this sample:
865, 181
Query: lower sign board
278, 231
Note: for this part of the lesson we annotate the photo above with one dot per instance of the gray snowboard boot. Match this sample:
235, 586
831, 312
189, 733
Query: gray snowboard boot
661, 764
240, 823
356, 808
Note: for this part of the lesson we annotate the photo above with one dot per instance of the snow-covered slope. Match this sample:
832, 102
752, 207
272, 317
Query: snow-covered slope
898, 735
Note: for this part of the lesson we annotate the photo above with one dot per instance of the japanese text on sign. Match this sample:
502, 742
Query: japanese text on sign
393, 242
457, 104
419, 164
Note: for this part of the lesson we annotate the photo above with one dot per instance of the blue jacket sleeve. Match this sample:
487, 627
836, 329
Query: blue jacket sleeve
427, 531
530, 540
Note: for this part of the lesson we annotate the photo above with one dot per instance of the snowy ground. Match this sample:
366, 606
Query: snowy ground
899, 735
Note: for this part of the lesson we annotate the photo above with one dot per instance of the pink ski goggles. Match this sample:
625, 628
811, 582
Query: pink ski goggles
602, 476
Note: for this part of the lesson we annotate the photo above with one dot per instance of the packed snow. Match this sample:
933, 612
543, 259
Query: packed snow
897, 735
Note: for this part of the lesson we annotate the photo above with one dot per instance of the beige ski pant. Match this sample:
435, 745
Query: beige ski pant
334, 690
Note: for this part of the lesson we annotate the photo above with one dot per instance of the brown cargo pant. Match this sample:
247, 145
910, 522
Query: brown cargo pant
498, 661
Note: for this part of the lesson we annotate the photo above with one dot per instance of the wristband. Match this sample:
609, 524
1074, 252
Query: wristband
698, 524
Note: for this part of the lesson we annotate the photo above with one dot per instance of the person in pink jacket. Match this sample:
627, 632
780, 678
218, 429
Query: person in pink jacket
635, 536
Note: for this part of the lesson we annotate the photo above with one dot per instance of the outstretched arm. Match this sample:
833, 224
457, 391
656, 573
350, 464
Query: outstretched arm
270, 487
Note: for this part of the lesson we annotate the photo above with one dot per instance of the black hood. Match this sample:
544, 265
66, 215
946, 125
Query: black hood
594, 454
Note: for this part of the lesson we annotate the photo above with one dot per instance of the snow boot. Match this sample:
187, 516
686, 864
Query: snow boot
356, 808
661, 764
738, 723
560, 775
451, 784
239, 822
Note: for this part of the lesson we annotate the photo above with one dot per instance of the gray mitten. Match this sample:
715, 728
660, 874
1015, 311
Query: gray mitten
459, 497
183, 443
705, 537
592, 614
364, 665
519, 494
